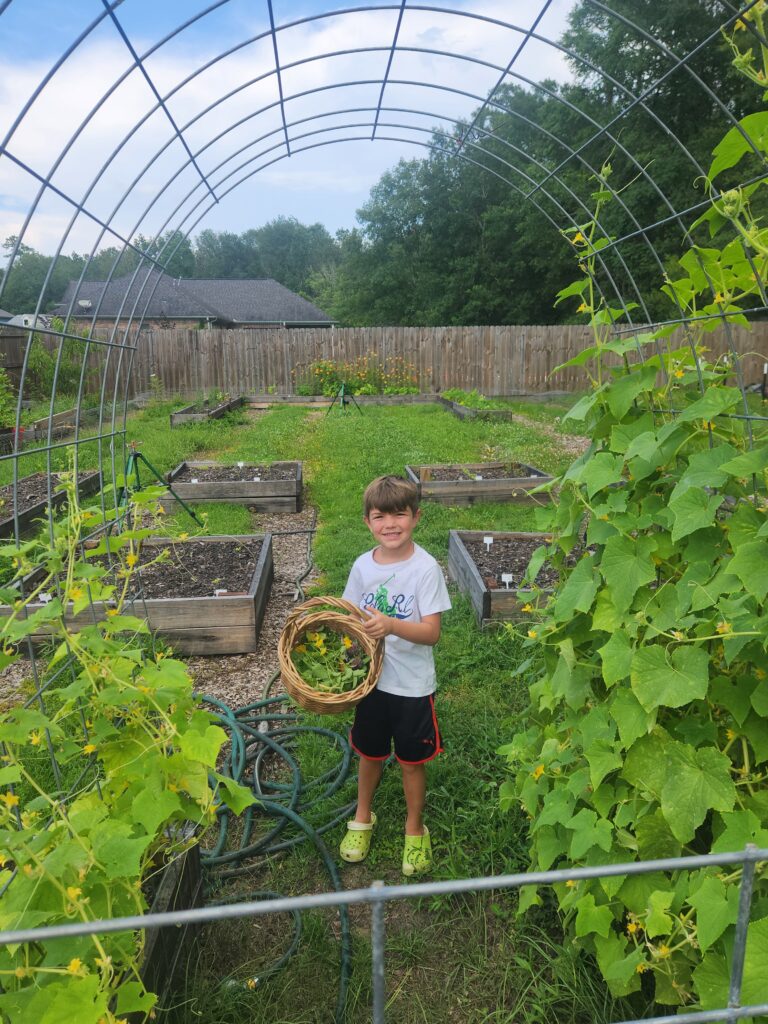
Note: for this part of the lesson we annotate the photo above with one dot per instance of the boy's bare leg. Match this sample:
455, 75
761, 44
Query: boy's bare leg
415, 790
368, 779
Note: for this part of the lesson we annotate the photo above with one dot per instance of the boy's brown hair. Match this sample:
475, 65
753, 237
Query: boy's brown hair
390, 494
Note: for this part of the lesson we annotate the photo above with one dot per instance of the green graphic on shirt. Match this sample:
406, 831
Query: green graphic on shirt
381, 601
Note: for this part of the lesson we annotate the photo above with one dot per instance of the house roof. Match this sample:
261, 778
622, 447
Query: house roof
5, 315
233, 302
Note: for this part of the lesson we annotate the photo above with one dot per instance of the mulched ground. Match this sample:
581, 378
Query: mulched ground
455, 473
235, 472
508, 556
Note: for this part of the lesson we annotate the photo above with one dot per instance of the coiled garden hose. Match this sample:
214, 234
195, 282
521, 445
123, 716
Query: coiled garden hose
257, 730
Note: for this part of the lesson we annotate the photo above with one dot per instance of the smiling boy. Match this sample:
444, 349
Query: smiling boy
402, 588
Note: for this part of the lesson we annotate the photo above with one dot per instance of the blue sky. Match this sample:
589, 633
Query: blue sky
147, 183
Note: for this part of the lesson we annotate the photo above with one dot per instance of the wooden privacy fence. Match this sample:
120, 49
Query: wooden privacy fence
502, 360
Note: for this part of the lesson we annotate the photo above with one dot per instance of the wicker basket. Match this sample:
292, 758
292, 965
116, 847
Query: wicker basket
343, 617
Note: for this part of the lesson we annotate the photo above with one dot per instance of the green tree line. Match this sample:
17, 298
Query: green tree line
455, 237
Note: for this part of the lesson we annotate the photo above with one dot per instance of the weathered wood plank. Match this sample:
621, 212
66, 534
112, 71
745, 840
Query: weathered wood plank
228, 624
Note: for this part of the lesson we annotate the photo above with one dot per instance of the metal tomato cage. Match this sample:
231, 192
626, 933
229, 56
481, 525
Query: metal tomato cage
180, 165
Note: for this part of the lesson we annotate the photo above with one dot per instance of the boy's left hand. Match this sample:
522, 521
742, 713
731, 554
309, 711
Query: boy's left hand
379, 625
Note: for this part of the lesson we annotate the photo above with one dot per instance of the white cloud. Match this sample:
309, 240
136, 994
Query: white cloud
55, 120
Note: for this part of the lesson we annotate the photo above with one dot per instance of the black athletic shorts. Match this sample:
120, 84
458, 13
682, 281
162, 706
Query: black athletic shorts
411, 722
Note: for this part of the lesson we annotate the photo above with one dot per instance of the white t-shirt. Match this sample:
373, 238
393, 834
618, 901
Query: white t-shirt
407, 590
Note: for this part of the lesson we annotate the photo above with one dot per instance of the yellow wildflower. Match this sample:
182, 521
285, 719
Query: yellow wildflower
538, 771
75, 965
35, 739
89, 748
183, 536
583, 308
532, 634
20, 972
73, 892
111, 612
346, 641
718, 297
131, 560
75, 593
730, 734
579, 238
632, 928
527, 608
251, 983
739, 25
301, 648
9, 799
104, 962
161, 510
570, 884
678, 635
641, 968
679, 373
663, 950
28, 869
723, 627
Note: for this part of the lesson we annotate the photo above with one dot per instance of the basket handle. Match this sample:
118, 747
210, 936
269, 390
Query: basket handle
314, 603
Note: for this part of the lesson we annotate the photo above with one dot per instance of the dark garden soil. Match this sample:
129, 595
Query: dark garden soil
509, 471
31, 490
246, 472
196, 569
508, 556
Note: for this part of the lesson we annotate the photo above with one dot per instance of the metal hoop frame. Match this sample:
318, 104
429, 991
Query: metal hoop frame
550, 189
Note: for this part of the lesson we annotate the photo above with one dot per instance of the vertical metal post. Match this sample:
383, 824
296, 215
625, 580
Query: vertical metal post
377, 956
742, 926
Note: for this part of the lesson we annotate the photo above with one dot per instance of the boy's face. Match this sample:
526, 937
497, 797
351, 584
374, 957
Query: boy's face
392, 530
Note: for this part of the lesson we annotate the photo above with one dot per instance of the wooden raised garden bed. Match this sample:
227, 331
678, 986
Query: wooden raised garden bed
200, 621
166, 949
200, 412
491, 574
464, 412
466, 483
33, 499
269, 488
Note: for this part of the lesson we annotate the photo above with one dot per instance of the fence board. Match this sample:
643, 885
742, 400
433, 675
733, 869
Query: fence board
499, 360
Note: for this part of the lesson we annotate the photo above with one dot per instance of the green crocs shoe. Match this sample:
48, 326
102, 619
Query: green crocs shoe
417, 854
357, 842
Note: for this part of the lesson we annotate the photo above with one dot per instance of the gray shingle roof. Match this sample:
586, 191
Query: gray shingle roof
231, 302
4, 315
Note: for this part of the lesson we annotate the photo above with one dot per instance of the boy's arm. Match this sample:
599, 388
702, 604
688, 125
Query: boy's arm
425, 632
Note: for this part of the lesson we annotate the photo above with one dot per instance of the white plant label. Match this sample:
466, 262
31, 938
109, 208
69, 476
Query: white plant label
220, 592
506, 579
240, 465
487, 541
193, 480
478, 476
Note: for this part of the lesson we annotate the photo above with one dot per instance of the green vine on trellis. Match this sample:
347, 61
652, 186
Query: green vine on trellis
648, 724
136, 750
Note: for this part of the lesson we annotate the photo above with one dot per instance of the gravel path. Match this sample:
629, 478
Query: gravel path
573, 445
238, 679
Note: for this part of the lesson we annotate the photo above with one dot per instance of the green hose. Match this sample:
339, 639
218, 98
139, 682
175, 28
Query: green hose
255, 731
